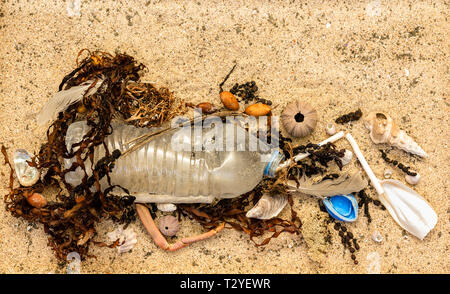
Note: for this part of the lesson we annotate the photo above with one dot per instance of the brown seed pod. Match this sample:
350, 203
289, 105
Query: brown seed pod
229, 100
299, 119
258, 109
207, 107
169, 225
36, 200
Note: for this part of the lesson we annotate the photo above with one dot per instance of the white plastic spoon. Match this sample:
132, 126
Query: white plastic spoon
409, 209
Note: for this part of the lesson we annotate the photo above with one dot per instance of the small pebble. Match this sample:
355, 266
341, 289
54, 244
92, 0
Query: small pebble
353, 257
387, 174
377, 237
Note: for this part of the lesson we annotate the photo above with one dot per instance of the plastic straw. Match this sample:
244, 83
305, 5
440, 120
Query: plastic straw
365, 165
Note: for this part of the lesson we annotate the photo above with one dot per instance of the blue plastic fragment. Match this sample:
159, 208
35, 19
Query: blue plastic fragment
342, 207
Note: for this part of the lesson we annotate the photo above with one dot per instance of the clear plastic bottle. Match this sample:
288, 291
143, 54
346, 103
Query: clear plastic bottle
180, 176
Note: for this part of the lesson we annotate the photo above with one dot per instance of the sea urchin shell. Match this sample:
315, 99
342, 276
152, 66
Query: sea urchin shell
299, 119
168, 225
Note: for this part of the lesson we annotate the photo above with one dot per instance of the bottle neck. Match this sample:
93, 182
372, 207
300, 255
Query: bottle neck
273, 163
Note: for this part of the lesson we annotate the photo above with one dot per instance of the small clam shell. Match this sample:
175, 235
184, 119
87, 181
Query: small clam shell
413, 180
269, 206
26, 174
229, 100
330, 129
127, 239
166, 207
169, 225
348, 155
299, 119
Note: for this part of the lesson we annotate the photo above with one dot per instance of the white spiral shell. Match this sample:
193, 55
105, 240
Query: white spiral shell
384, 130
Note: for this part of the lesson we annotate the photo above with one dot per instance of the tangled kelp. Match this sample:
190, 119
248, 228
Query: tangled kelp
70, 220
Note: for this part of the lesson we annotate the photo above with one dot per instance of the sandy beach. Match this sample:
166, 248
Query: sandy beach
390, 56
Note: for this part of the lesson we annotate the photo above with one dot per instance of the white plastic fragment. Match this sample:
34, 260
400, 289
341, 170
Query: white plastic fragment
73, 8
347, 157
377, 237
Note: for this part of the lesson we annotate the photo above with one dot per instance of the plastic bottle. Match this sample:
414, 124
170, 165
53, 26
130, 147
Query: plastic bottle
186, 175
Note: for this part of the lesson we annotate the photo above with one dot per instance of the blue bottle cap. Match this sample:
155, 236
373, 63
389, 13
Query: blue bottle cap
342, 207
274, 161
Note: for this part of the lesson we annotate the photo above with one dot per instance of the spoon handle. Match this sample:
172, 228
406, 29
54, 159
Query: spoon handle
301, 156
365, 165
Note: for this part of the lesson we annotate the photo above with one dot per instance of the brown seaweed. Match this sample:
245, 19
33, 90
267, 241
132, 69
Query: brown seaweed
352, 116
233, 211
401, 166
70, 220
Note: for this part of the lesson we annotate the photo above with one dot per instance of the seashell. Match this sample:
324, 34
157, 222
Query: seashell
268, 206
330, 129
384, 130
258, 109
166, 207
348, 155
387, 174
229, 100
127, 239
169, 225
413, 180
207, 107
377, 237
299, 119
342, 207
37, 200
26, 174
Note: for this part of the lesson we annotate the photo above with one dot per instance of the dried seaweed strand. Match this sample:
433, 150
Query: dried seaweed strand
352, 116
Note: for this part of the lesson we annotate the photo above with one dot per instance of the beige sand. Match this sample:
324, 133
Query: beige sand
391, 57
